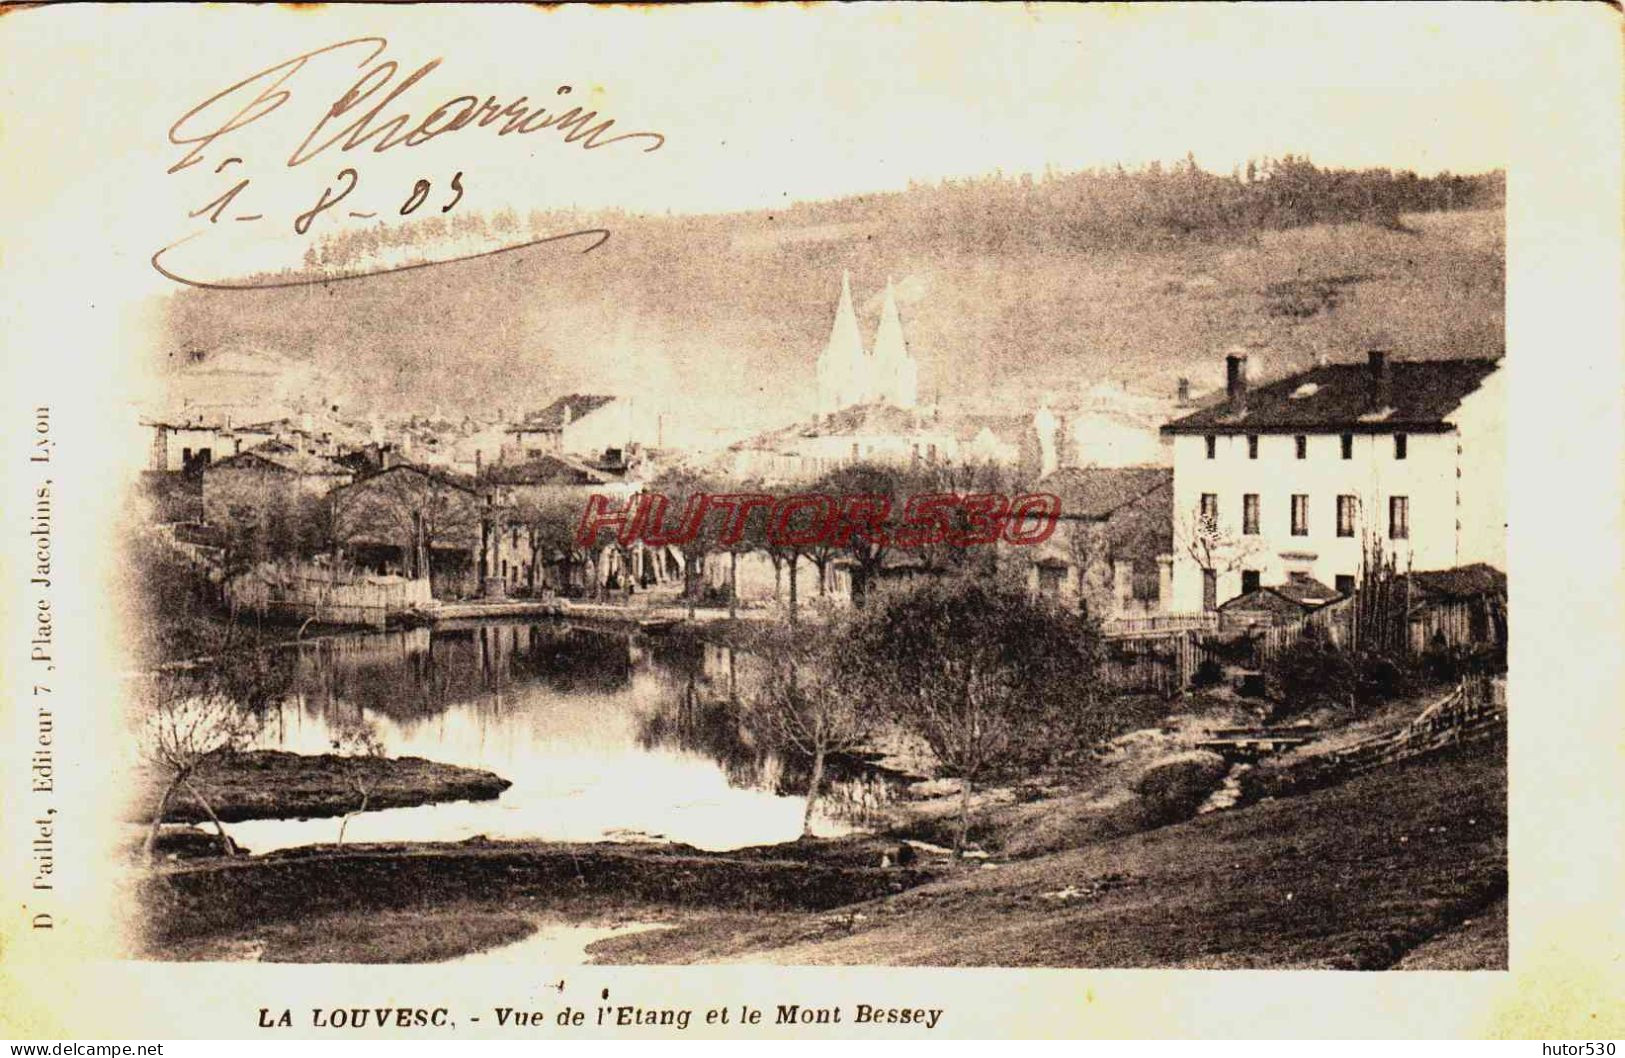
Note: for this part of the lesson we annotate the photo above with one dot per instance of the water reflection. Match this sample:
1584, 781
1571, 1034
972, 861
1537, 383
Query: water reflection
604, 737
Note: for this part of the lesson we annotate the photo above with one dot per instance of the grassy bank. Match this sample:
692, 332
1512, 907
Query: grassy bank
272, 784
1404, 867
221, 903
393, 936
1351, 877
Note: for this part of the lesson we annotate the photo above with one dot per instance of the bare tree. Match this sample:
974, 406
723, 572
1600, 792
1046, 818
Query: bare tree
806, 706
990, 677
1216, 549
187, 723
549, 519
683, 487
868, 554
358, 741
413, 509
1089, 549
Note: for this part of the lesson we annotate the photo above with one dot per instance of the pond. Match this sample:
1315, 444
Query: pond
605, 737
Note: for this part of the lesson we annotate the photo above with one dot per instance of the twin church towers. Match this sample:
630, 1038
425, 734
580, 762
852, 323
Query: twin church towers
850, 375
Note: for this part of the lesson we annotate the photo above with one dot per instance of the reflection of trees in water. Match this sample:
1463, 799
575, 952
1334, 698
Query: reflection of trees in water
703, 690
419, 674
691, 719
704, 710
573, 659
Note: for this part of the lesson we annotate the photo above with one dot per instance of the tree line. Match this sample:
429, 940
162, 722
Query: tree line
1108, 206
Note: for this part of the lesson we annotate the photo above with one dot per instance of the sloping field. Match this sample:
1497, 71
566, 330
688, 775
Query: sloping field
717, 309
1351, 877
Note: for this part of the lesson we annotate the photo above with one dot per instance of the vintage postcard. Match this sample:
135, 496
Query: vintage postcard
811, 520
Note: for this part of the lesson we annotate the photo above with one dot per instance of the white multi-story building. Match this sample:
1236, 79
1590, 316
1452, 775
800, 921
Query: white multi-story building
1308, 474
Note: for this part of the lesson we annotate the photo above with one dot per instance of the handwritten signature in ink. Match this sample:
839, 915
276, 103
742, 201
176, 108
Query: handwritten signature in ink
356, 121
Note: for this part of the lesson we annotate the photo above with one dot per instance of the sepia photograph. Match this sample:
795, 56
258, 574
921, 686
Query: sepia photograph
840, 485
436, 576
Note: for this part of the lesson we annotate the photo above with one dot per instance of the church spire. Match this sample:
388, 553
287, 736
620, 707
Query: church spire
889, 344
896, 374
842, 369
844, 335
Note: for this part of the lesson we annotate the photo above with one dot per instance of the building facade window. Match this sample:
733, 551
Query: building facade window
1348, 446
1400, 445
1210, 507
1212, 446
1252, 446
1210, 589
1300, 514
1345, 584
1249, 580
1399, 518
1302, 444
1345, 516
1249, 514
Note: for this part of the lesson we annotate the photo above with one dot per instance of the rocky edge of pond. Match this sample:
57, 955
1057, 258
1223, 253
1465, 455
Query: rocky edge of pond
274, 784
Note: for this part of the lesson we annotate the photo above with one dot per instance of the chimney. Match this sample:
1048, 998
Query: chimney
568, 416
1184, 391
1382, 379
1046, 426
1235, 379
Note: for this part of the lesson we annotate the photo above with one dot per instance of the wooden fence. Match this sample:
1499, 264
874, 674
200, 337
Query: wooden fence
1160, 624
1474, 711
1456, 623
325, 594
1163, 653
1335, 619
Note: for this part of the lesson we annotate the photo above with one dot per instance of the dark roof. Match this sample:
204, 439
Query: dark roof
1306, 591
1265, 599
1463, 582
1293, 596
1424, 393
409, 468
278, 456
549, 470
1099, 492
551, 418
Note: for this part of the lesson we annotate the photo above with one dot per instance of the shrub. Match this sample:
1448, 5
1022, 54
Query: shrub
1311, 670
1378, 678
1174, 787
1207, 674
1315, 669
